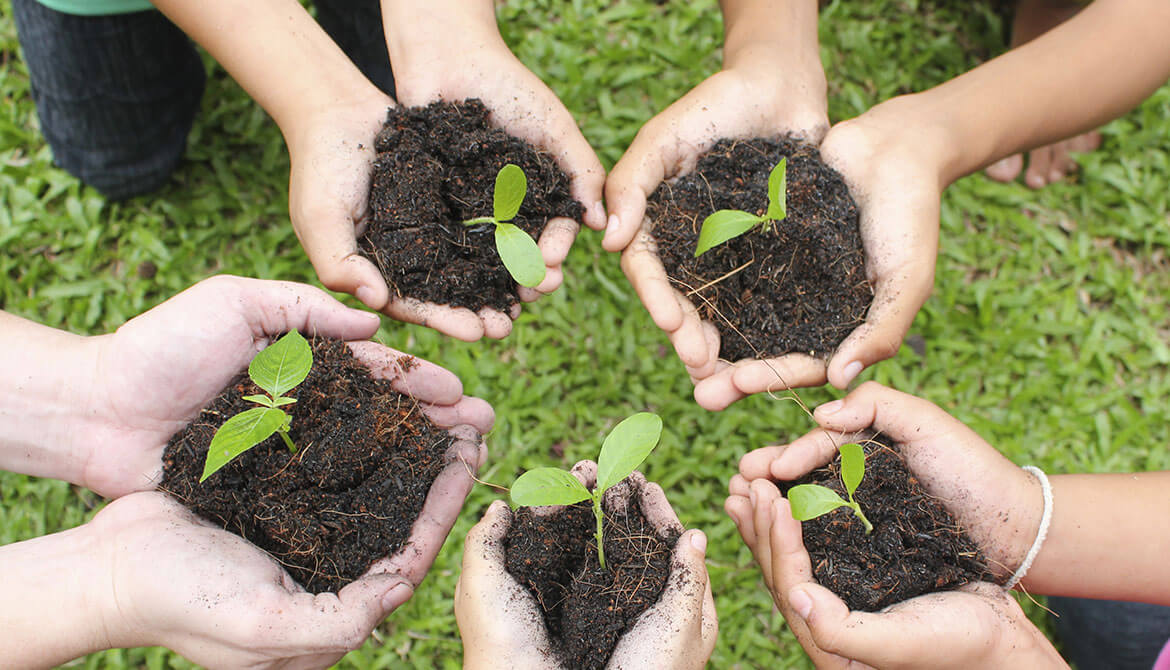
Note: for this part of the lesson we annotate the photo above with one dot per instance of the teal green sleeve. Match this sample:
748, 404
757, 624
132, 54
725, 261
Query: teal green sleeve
97, 7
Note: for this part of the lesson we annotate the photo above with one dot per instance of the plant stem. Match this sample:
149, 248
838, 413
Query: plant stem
857, 512
600, 540
293, 448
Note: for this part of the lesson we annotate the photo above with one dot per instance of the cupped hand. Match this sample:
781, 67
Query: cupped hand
519, 102
332, 159
998, 504
502, 626
978, 626
159, 369
176, 581
753, 99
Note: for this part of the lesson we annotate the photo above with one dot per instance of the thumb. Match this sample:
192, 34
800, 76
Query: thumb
332, 249
878, 640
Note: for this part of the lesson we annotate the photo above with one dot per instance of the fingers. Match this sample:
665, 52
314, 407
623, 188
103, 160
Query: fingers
458, 322
641, 266
415, 377
469, 411
496, 325
762, 493
332, 249
586, 473
657, 510
793, 461
327, 622
275, 307
638, 172
896, 414
483, 551
438, 515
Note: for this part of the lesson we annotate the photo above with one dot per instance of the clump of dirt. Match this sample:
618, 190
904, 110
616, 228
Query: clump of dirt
436, 168
366, 459
587, 609
799, 287
916, 546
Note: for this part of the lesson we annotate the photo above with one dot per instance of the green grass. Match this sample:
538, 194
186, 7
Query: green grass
1047, 330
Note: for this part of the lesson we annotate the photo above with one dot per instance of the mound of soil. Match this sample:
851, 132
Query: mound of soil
587, 609
916, 546
436, 168
799, 287
366, 459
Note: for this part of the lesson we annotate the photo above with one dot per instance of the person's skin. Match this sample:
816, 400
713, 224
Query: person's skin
502, 626
1052, 162
98, 411
897, 158
426, 69
329, 114
769, 101
1114, 520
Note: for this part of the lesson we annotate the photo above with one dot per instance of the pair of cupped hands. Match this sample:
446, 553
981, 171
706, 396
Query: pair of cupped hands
886, 167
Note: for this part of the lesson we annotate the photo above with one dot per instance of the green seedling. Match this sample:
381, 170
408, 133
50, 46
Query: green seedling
808, 501
277, 369
624, 449
728, 224
517, 249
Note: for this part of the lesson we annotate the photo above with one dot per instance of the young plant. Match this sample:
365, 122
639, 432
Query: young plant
277, 369
517, 249
624, 449
808, 501
727, 224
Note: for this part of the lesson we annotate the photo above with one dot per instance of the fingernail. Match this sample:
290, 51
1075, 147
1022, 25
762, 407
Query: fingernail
831, 407
851, 371
396, 596
800, 602
599, 210
372, 316
699, 542
365, 294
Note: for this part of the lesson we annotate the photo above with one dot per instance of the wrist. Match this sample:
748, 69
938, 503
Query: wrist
420, 34
905, 124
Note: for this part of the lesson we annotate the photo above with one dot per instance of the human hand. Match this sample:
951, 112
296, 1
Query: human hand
768, 102
159, 369
977, 626
426, 69
501, 624
172, 579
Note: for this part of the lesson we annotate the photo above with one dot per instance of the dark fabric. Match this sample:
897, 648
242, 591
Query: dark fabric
356, 26
1110, 634
116, 95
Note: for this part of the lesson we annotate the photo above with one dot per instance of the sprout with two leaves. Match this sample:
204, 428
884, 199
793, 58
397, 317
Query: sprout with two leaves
727, 224
624, 449
517, 249
277, 369
808, 501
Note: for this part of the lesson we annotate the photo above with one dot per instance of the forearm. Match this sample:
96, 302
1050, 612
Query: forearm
784, 31
42, 399
276, 52
1109, 538
418, 32
50, 613
1093, 68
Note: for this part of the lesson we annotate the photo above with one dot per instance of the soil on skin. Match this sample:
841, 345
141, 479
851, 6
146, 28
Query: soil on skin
587, 609
436, 168
366, 459
916, 546
801, 286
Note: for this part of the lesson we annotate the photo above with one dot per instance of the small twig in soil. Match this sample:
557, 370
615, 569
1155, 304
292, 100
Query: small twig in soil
716, 281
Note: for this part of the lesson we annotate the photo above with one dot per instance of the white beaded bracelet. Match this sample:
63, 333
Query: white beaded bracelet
1042, 533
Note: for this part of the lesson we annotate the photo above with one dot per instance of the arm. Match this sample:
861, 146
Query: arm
1114, 520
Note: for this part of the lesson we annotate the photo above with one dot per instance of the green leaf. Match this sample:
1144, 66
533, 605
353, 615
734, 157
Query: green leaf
626, 446
520, 254
260, 400
808, 501
778, 191
724, 225
239, 434
281, 402
548, 486
511, 187
852, 466
283, 364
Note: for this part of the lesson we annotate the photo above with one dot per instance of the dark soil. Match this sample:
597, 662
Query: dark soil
366, 460
800, 287
587, 609
436, 167
916, 546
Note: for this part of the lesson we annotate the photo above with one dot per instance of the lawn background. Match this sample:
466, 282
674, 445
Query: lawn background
1047, 331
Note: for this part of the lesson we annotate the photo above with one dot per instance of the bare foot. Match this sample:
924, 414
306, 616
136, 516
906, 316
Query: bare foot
1050, 163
